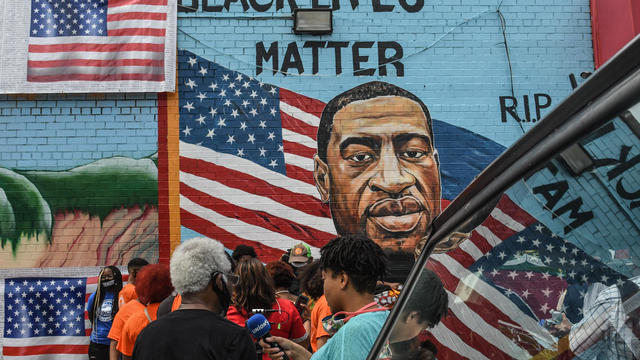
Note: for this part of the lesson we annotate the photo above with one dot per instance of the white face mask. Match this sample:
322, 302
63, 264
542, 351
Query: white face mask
108, 283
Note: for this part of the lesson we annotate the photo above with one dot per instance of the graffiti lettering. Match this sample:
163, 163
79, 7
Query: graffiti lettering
553, 193
574, 213
622, 165
388, 53
509, 104
376, 5
628, 195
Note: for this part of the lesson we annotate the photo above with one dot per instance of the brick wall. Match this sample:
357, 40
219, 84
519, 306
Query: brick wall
78, 179
453, 58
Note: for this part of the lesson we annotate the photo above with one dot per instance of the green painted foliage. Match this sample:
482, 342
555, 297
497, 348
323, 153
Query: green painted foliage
29, 198
100, 187
23, 210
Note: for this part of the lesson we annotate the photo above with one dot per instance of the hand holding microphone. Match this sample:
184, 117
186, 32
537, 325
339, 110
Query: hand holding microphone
259, 327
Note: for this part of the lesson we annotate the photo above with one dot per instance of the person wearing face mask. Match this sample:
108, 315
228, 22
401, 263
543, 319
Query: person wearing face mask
200, 273
102, 307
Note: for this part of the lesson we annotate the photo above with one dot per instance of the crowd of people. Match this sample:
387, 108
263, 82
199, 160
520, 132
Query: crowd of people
201, 305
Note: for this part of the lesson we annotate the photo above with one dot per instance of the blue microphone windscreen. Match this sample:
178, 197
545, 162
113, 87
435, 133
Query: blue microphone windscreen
258, 325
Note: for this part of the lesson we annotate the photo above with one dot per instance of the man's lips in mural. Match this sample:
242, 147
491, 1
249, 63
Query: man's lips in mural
396, 215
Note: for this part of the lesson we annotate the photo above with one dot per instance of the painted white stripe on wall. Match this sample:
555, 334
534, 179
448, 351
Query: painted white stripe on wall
255, 202
248, 167
242, 229
299, 114
298, 138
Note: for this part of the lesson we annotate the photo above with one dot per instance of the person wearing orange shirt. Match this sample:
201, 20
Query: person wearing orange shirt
122, 316
128, 291
312, 286
319, 335
153, 285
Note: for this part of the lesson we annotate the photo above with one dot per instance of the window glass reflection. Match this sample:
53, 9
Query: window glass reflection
554, 270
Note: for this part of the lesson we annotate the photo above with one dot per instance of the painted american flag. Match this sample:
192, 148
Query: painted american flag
246, 168
506, 278
45, 317
97, 40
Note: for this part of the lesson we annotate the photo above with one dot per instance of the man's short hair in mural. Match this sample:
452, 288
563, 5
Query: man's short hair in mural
377, 165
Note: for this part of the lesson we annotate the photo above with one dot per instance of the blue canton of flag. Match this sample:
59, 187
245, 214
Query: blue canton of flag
36, 307
229, 112
51, 18
535, 266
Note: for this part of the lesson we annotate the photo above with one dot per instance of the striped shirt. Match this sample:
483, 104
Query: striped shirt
605, 324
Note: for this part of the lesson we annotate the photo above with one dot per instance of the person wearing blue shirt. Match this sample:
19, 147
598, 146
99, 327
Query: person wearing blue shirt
102, 307
351, 267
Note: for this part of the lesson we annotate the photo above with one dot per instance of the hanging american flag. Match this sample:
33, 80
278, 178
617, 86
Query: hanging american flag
92, 46
45, 317
97, 40
502, 281
246, 167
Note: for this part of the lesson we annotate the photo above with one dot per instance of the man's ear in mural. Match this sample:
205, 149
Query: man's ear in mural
321, 177
451, 243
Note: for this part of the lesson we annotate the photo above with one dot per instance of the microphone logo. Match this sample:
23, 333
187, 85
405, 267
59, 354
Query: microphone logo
258, 328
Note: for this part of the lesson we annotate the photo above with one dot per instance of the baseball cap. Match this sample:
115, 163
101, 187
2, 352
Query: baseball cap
300, 255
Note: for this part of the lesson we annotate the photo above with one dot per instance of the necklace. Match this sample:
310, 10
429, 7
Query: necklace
282, 291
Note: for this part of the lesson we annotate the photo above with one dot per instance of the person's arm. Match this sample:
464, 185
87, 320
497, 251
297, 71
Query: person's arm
90, 306
114, 354
298, 333
322, 340
293, 350
592, 328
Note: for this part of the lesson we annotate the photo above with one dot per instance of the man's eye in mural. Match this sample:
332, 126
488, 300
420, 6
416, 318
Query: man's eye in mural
413, 154
360, 158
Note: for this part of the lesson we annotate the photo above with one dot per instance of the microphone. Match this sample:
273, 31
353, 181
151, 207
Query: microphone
259, 327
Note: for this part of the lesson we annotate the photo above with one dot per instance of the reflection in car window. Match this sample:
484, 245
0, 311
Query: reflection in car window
555, 268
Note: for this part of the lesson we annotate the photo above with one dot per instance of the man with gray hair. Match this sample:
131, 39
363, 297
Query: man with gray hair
200, 272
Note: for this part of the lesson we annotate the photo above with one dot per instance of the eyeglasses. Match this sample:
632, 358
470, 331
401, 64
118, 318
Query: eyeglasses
231, 279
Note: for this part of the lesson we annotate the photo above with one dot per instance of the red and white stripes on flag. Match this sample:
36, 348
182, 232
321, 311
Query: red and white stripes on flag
480, 317
235, 200
133, 48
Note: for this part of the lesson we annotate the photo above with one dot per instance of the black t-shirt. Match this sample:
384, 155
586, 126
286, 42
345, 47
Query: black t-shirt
194, 334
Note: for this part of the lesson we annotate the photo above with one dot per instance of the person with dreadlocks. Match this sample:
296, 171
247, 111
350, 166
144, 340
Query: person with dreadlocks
102, 307
351, 267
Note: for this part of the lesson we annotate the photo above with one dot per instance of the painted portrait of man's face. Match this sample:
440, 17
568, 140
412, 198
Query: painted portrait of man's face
381, 175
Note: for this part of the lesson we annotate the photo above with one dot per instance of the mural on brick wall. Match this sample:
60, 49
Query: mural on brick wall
265, 166
60, 206
100, 213
251, 101
374, 129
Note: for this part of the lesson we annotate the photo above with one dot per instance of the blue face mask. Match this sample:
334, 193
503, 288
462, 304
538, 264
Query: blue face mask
332, 323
